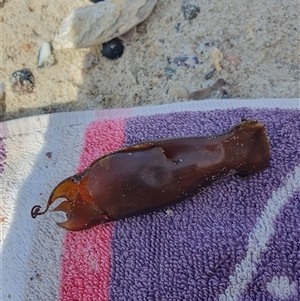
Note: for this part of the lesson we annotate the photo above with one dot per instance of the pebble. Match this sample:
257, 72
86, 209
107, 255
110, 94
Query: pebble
205, 49
49, 155
188, 61
204, 46
179, 92
206, 92
232, 59
170, 72
200, 94
190, 11
177, 27
90, 61
113, 49
224, 94
22, 81
209, 74
45, 57
217, 57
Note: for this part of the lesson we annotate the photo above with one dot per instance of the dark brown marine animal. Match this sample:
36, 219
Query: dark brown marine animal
152, 175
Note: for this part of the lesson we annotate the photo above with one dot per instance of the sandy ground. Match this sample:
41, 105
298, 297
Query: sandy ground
258, 39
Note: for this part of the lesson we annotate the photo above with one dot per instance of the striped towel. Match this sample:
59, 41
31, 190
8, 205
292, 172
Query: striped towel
238, 239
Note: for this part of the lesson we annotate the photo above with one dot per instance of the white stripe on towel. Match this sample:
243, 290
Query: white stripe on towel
259, 236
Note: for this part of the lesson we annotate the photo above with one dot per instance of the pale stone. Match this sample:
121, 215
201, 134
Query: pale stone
90, 61
45, 56
217, 57
101, 22
179, 92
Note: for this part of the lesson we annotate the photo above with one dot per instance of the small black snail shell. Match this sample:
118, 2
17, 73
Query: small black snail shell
113, 49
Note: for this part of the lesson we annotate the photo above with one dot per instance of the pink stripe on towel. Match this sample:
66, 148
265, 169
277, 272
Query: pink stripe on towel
87, 254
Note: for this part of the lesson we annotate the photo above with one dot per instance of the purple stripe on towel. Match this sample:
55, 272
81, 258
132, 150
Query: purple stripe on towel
189, 251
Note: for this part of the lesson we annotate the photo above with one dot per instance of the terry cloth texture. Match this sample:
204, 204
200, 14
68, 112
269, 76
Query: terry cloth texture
238, 239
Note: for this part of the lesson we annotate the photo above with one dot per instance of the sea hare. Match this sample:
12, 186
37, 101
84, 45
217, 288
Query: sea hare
151, 175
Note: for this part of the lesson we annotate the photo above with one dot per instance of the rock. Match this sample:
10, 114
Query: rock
224, 94
209, 74
178, 92
204, 45
90, 61
205, 93
188, 61
113, 49
22, 81
45, 56
200, 94
190, 11
206, 48
170, 72
232, 59
101, 22
49, 155
177, 27
217, 57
